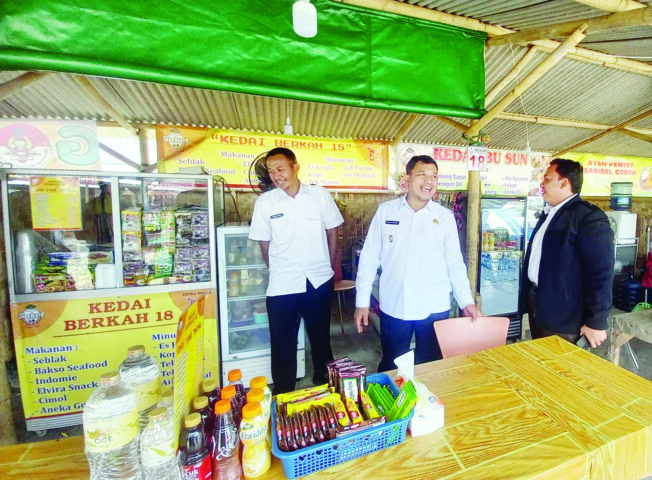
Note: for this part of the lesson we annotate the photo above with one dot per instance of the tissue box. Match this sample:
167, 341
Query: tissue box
428, 411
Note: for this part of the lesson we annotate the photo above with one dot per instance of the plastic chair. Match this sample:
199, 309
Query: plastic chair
461, 336
340, 286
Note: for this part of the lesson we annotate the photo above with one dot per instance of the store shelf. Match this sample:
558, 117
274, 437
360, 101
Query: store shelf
246, 267
248, 327
245, 298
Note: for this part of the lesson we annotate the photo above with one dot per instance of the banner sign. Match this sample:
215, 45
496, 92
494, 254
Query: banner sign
49, 144
508, 172
601, 170
63, 346
331, 163
189, 360
55, 203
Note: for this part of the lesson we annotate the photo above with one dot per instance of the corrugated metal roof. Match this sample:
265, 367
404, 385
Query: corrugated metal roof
571, 90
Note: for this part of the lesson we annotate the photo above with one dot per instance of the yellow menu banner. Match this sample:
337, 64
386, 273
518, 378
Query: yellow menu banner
63, 346
601, 170
55, 203
189, 360
329, 162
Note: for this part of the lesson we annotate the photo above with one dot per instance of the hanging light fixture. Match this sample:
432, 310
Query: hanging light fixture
304, 18
288, 129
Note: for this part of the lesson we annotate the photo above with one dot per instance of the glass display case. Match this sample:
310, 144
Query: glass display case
79, 232
244, 329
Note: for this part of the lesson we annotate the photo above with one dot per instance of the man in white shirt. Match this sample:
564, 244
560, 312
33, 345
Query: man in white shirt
415, 242
296, 225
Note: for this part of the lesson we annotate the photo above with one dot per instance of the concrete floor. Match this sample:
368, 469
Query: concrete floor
363, 348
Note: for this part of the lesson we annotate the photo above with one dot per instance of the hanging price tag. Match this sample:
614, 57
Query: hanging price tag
477, 157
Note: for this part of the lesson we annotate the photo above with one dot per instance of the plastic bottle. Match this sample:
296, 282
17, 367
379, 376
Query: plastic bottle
258, 395
266, 403
201, 406
229, 393
158, 447
226, 444
212, 391
142, 372
193, 450
166, 400
253, 433
111, 430
235, 379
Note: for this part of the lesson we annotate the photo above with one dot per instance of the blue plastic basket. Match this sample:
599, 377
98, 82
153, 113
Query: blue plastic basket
339, 450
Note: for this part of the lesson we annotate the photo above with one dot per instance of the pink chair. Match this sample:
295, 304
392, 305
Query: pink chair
461, 336
340, 286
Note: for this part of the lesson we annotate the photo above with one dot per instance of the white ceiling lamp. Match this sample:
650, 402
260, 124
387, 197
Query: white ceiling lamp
288, 129
304, 18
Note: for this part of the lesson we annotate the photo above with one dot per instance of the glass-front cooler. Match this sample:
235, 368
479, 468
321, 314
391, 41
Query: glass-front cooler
98, 262
244, 328
501, 257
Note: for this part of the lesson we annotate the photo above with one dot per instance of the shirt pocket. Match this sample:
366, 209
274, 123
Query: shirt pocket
281, 235
391, 237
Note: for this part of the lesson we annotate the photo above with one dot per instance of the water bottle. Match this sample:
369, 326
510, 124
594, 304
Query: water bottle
212, 391
200, 405
229, 393
166, 400
226, 444
111, 430
142, 372
253, 433
193, 452
158, 447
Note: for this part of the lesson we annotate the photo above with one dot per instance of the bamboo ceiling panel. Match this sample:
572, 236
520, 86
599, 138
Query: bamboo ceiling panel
541, 409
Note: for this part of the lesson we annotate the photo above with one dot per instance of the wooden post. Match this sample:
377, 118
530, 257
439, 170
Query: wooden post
473, 231
7, 432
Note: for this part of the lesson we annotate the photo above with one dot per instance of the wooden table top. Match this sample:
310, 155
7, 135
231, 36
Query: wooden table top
541, 409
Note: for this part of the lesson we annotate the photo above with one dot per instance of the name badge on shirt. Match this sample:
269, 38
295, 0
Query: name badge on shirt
276, 215
391, 222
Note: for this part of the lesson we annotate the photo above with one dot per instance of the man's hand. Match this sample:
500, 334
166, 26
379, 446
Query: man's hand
472, 311
361, 318
595, 337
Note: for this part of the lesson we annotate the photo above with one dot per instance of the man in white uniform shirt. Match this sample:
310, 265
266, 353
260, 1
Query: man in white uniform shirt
296, 225
415, 242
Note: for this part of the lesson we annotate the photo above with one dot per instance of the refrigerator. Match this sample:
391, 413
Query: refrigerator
97, 262
502, 250
243, 323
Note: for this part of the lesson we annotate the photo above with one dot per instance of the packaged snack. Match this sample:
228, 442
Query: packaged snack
130, 220
131, 241
200, 219
152, 220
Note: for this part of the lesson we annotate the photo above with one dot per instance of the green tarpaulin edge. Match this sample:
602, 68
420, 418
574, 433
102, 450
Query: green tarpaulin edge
382, 74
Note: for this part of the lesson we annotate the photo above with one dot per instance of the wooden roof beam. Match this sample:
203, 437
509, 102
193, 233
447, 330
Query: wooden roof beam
631, 18
16, 84
563, 122
540, 70
102, 102
640, 136
511, 76
606, 132
612, 5
398, 138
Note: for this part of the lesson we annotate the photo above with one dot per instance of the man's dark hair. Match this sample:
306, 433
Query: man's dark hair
419, 159
286, 152
571, 170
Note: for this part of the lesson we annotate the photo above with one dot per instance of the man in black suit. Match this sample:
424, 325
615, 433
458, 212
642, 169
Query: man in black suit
568, 269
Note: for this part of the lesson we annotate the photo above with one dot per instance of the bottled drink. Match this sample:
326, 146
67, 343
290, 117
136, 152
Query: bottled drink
225, 458
229, 393
253, 433
212, 391
266, 403
200, 404
111, 430
158, 447
257, 395
193, 451
235, 379
142, 372
166, 400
